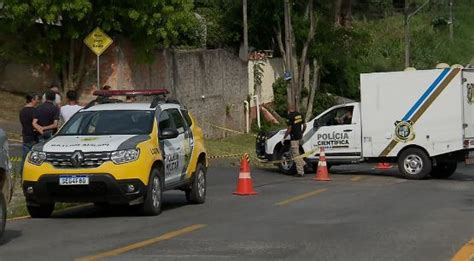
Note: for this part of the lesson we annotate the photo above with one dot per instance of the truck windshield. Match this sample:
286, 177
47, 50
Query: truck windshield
117, 122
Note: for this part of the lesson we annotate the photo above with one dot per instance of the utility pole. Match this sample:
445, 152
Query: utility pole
408, 16
289, 45
451, 29
246, 33
407, 36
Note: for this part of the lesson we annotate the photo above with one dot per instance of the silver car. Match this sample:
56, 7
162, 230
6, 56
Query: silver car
6, 188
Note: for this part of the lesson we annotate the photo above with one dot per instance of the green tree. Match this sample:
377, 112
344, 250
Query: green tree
51, 31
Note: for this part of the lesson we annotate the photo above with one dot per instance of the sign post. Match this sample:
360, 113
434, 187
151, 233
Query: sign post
98, 42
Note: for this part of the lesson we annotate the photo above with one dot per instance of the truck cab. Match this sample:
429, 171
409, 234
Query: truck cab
337, 129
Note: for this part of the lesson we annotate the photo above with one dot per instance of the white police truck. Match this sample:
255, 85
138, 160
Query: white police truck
422, 120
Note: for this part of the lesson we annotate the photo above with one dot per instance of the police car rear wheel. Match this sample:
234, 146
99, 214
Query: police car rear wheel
3, 214
197, 193
40, 211
414, 163
154, 196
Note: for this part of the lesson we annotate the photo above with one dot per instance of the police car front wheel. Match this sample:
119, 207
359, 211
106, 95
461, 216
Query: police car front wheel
154, 195
197, 193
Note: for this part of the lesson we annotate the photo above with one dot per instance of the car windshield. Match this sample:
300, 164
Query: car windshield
117, 122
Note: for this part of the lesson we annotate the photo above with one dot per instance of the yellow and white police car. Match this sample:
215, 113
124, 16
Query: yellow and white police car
119, 153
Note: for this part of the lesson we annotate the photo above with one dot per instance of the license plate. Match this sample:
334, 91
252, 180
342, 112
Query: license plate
73, 180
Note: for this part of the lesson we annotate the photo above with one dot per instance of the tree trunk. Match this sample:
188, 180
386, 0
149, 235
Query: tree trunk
314, 88
337, 12
275, 114
246, 41
70, 68
347, 13
81, 68
281, 47
304, 52
288, 45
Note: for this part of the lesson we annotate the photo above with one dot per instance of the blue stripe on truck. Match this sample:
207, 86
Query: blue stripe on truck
425, 95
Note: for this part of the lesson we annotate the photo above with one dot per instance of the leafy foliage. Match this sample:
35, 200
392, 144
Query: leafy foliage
43, 31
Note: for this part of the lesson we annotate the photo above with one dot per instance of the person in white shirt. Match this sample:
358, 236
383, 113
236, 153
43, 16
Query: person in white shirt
71, 108
57, 99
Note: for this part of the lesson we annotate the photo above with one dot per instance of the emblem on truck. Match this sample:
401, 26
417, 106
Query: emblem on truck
76, 159
404, 131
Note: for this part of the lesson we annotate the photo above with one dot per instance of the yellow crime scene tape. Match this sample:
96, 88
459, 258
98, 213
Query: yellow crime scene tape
16, 159
238, 155
227, 129
225, 156
306, 154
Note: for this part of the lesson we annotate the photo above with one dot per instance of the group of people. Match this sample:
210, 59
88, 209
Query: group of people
42, 115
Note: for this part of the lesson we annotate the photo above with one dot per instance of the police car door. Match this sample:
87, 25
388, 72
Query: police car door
337, 132
184, 150
170, 147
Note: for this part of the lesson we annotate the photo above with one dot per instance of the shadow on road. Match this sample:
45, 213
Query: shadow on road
170, 202
462, 174
9, 235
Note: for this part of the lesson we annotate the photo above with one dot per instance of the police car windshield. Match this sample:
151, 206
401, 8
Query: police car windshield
117, 122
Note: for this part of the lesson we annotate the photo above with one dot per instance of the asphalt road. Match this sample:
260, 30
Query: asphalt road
362, 214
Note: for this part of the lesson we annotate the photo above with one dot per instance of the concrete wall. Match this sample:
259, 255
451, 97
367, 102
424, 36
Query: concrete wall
272, 70
23, 78
217, 75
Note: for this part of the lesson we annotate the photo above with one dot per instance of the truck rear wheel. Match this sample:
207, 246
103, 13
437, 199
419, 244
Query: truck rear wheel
444, 170
414, 163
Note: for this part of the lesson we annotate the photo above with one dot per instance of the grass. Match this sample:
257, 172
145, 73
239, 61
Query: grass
10, 106
239, 144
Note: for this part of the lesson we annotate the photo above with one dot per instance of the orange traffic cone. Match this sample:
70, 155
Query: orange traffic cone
322, 173
383, 166
245, 185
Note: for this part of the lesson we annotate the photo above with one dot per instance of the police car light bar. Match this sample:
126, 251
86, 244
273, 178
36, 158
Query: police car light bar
151, 92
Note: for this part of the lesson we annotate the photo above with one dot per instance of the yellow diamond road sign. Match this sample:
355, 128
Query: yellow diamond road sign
98, 41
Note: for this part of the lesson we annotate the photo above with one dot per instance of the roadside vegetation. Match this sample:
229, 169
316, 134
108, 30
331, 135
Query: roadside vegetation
10, 106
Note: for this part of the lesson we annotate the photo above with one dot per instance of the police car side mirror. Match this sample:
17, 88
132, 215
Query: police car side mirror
168, 133
315, 124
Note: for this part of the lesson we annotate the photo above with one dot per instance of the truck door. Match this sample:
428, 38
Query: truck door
338, 131
468, 96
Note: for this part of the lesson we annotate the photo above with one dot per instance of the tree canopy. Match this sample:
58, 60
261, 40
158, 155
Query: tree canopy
51, 31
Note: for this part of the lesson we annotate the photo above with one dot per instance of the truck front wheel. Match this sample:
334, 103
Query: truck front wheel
444, 170
414, 163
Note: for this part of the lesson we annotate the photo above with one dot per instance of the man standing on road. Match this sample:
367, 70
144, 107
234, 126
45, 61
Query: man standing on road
296, 128
47, 117
71, 108
28, 133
